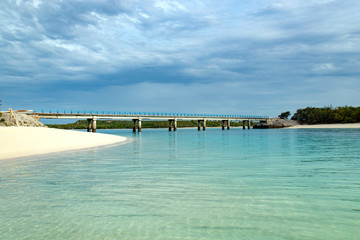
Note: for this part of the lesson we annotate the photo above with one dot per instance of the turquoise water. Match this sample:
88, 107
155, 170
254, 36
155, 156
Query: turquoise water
237, 184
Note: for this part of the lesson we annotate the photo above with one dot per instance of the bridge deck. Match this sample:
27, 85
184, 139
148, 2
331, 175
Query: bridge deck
69, 114
137, 117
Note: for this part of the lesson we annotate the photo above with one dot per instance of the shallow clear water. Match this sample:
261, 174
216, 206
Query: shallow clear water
237, 184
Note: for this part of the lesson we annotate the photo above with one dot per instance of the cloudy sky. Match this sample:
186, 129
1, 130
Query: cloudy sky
194, 56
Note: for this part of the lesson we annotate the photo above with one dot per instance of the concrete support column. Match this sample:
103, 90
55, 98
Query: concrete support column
139, 125
199, 125
134, 125
204, 125
244, 122
175, 124
223, 125
170, 125
248, 124
89, 125
94, 125
228, 124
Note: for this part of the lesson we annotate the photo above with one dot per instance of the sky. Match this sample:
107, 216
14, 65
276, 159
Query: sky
253, 57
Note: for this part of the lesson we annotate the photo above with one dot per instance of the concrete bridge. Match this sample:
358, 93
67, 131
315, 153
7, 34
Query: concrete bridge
138, 117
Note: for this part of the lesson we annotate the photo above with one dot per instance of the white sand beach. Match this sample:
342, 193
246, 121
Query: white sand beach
27, 141
345, 125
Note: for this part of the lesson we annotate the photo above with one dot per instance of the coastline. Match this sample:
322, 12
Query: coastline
30, 141
319, 126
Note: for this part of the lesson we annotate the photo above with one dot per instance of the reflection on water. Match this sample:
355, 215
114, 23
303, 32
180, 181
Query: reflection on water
258, 184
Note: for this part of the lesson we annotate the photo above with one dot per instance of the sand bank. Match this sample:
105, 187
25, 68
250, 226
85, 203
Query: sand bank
27, 141
345, 125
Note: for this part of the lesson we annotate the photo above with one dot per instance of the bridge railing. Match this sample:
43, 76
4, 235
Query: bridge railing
128, 114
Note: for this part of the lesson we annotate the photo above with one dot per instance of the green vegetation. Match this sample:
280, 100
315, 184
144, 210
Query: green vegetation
284, 115
116, 124
327, 115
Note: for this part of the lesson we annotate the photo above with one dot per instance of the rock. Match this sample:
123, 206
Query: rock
276, 123
22, 119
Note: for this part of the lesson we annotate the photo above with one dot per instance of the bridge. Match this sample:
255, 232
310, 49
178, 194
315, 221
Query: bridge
138, 117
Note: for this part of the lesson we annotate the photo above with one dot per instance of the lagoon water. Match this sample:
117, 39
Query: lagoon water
237, 184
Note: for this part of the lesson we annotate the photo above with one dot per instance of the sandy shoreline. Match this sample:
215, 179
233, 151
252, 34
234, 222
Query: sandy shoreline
27, 141
317, 126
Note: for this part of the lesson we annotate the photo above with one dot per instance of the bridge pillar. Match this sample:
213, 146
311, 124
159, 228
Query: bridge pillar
228, 124
134, 125
89, 125
204, 125
223, 125
244, 122
94, 125
175, 124
248, 124
199, 125
139, 125
170, 125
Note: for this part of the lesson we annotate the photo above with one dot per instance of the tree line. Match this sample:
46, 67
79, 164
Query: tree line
327, 115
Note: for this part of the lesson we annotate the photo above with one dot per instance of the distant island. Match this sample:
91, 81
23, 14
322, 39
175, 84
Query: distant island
327, 115
314, 116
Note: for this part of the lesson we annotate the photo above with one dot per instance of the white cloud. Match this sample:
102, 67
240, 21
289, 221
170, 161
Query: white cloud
169, 6
36, 3
324, 68
295, 4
